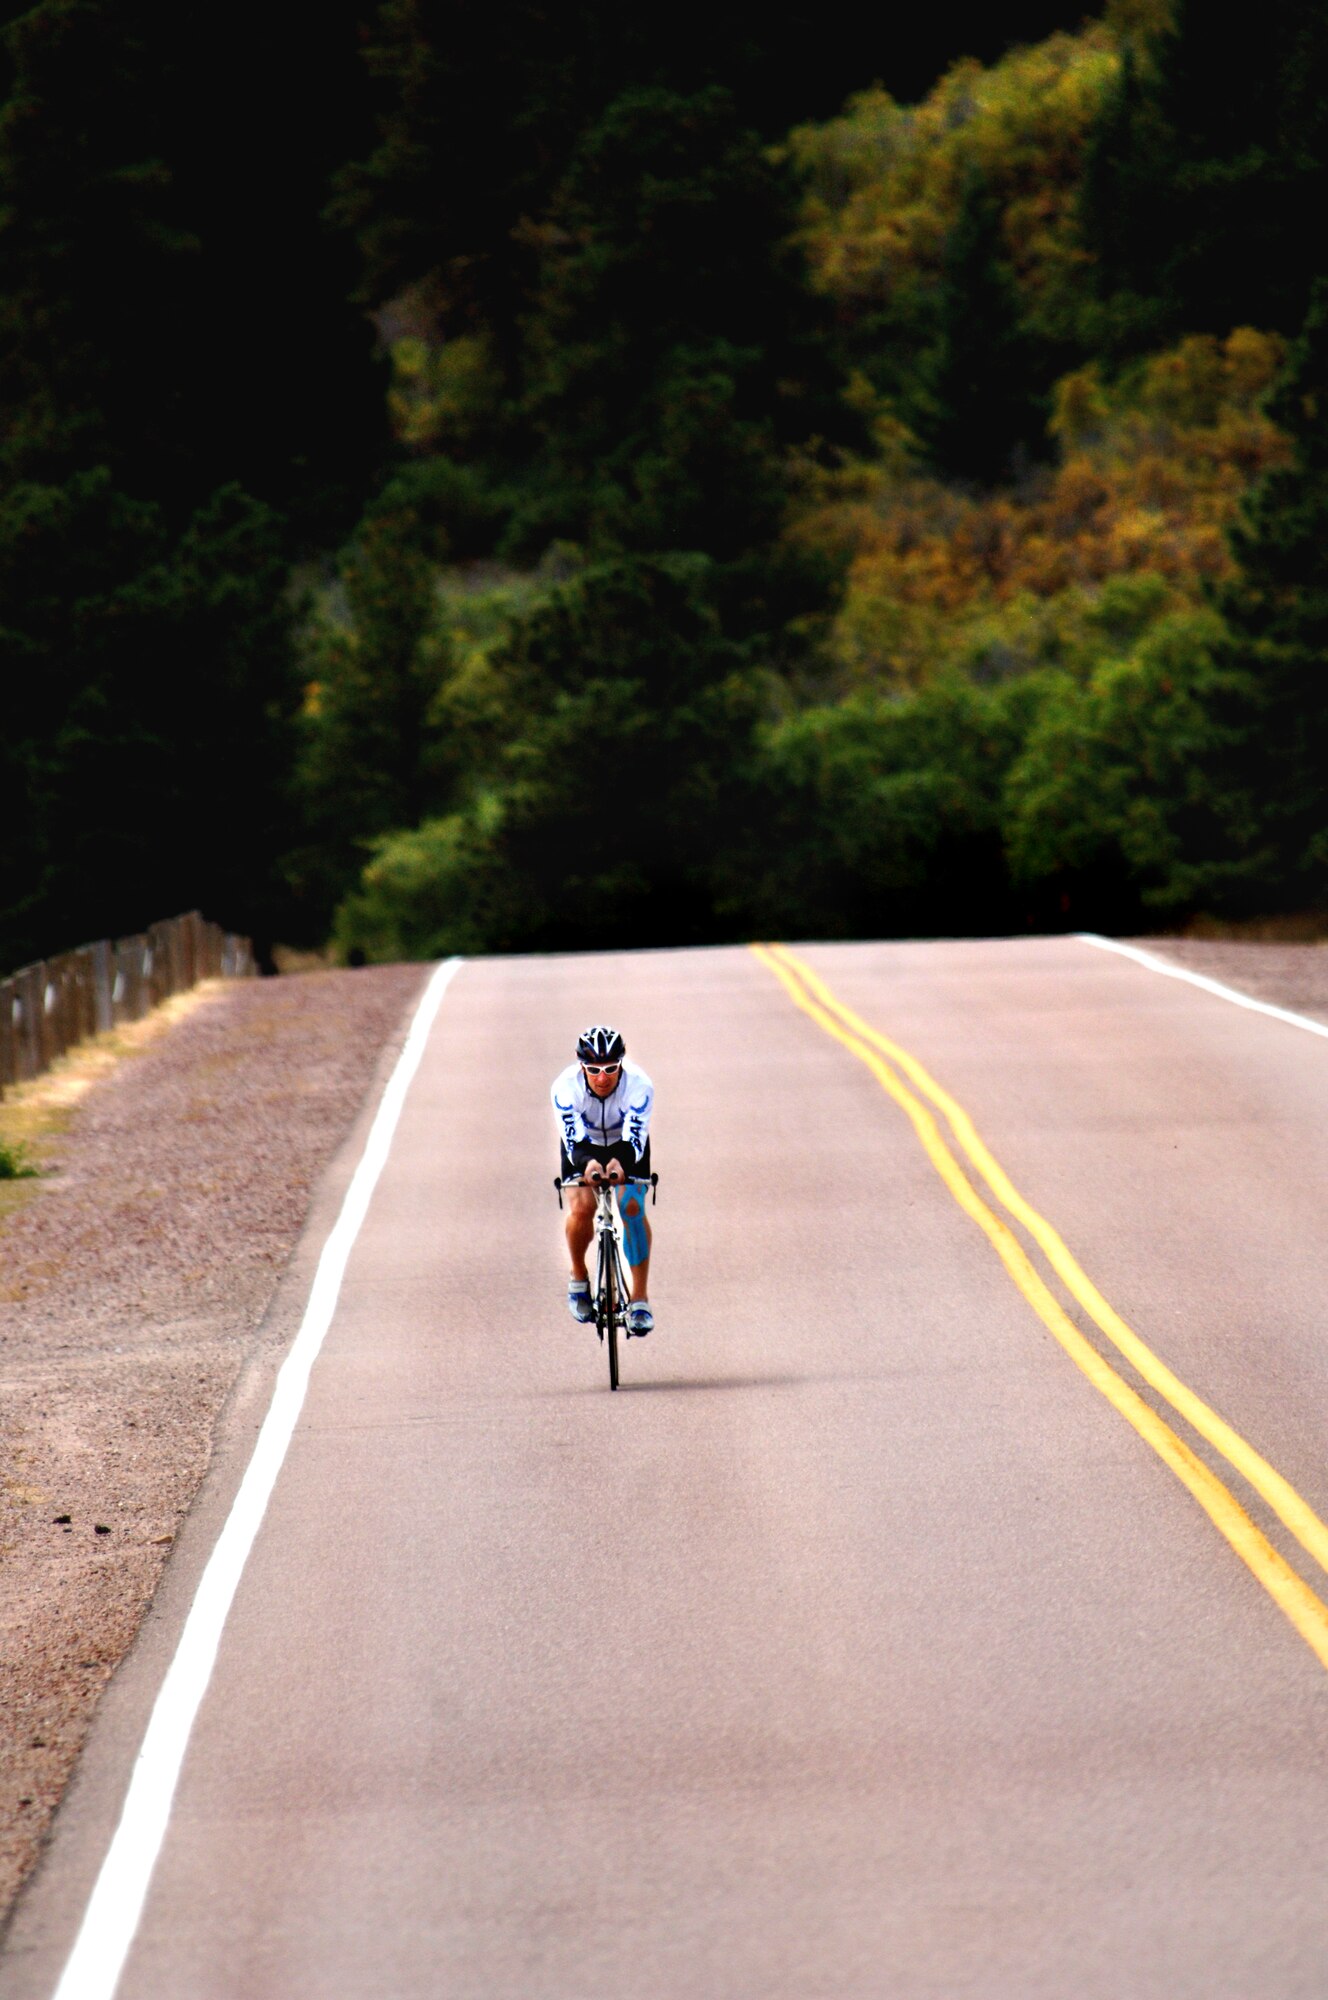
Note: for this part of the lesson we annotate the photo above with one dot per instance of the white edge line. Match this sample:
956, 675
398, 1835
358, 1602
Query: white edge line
92, 1970
1162, 965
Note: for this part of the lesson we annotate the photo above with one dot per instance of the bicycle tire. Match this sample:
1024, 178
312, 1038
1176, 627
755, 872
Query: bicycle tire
608, 1303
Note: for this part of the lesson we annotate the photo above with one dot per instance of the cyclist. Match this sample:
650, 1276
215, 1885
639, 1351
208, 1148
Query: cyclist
602, 1103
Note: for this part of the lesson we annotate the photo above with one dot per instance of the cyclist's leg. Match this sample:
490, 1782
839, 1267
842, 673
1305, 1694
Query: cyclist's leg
580, 1227
640, 1273
579, 1221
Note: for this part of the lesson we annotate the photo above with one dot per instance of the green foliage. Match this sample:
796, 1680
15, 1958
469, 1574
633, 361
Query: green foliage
445, 396
885, 185
648, 367
1130, 156
189, 403
1027, 710
1211, 150
438, 889
1109, 787
144, 674
599, 813
878, 526
1060, 570
460, 509
1269, 849
977, 406
169, 306
658, 331
879, 817
479, 111
373, 664
1073, 630
16, 1163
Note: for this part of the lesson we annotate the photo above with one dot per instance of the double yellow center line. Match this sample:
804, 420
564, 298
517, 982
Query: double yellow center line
896, 1070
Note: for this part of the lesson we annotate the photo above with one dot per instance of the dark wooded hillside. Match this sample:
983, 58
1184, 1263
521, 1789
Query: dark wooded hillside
498, 478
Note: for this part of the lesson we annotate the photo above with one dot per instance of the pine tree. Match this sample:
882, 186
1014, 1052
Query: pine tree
189, 404
979, 410
1209, 156
364, 762
659, 353
1261, 841
171, 304
1131, 155
480, 110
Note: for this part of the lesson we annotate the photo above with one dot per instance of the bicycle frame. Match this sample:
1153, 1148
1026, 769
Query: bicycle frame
611, 1284
609, 1246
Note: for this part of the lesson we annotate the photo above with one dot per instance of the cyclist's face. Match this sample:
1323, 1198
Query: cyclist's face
602, 1077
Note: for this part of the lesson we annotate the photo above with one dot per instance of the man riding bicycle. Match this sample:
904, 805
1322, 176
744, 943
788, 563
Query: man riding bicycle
602, 1103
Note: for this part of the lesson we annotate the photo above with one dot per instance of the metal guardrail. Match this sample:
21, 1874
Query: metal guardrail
48, 1008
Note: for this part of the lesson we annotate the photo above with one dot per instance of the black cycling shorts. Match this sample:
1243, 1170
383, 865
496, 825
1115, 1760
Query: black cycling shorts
622, 1152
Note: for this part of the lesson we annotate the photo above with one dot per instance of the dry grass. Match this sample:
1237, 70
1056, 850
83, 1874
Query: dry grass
288, 960
1305, 927
34, 1116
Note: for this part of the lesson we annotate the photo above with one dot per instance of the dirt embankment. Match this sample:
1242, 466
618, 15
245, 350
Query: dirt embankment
132, 1278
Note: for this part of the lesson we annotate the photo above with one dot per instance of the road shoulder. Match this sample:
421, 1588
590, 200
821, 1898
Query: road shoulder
139, 1318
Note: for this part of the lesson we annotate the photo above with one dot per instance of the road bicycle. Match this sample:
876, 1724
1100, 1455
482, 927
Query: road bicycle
611, 1286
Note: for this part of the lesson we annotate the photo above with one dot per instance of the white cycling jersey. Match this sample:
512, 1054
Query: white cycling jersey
584, 1119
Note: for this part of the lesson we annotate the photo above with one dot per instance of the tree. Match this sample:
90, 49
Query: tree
878, 817
480, 109
1111, 783
185, 385
172, 306
979, 407
372, 670
145, 677
599, 820
1209, 155
663, 372
587, 209
1266, 846
1131, 156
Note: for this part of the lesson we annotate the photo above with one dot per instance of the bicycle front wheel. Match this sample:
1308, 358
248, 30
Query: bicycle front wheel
607, 1308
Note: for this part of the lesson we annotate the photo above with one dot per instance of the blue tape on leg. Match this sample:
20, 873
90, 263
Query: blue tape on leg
631, 1205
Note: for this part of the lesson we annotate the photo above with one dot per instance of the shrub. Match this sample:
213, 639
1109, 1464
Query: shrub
16, 1162
1109, 789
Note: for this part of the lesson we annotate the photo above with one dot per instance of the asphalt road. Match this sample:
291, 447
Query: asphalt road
859, 1646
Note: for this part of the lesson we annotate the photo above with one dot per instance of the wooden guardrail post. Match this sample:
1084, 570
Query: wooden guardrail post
8, 1003
44, 999
103, 985
19, 1028
156, 971
49, 1008
29, 1002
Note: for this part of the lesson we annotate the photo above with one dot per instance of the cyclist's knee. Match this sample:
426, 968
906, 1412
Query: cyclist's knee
580, 1212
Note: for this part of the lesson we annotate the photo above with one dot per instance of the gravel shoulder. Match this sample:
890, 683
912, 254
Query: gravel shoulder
134, 1276
1289, 975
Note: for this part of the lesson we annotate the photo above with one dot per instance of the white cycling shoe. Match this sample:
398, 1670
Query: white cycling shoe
578, 1302
640, 1319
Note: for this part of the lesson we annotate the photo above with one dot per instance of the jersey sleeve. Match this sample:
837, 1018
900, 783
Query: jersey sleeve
636, 1116
571, 1125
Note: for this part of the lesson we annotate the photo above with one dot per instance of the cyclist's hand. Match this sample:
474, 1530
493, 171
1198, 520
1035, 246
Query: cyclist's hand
615, 1171
592, 1171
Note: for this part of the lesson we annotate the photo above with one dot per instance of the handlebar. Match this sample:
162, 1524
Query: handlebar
628, 1180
